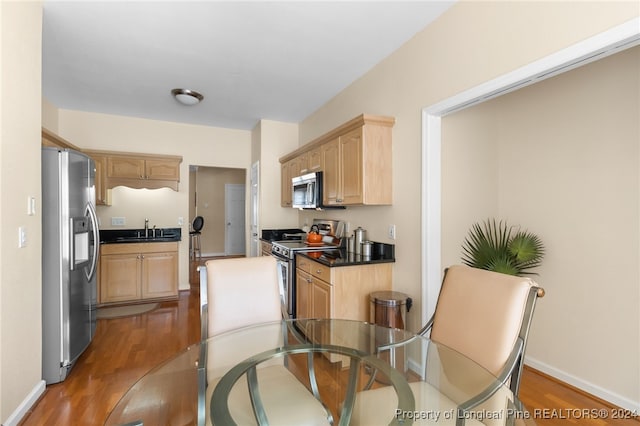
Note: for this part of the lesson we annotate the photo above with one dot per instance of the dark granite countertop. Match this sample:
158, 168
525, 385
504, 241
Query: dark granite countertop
124, 236
382, 253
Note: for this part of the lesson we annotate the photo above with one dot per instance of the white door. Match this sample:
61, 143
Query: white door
255, 180
234, 239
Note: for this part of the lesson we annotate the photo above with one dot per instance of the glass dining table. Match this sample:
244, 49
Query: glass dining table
354, 373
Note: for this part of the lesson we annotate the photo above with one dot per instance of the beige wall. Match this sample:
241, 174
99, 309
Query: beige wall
568, 169
198, 145
273, 140
210, 187
20, 268
471, 43
49, 116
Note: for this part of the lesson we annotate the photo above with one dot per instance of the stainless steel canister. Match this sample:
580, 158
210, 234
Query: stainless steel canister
367, 247
360, 236
351, 244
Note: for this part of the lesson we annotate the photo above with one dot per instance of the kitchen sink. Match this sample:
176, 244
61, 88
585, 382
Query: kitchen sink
147, 240
119, 236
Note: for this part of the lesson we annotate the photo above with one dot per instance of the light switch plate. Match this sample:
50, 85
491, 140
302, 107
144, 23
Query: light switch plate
31, 205
22, 237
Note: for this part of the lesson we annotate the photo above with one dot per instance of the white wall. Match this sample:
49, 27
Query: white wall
198, 145
471, 43
20, 268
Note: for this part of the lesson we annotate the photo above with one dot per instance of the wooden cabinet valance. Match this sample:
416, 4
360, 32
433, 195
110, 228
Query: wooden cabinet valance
129, 169
138, 170
355, 159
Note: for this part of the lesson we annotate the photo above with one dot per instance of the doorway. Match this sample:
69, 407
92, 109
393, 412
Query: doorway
208, 198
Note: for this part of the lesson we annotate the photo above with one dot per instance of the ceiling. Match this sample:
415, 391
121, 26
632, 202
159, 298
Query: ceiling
251, 60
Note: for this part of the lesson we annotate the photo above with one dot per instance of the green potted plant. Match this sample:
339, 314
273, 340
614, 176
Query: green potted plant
495, 246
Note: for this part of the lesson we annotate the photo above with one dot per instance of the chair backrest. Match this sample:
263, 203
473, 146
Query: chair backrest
241, 292
197, 224
486, 316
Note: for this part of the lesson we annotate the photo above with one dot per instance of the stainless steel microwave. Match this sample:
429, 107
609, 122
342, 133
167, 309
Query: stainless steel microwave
307, 191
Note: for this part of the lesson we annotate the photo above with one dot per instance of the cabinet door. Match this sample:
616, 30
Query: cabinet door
102, 193
119, 278
159, 275
302, 164
285, 185
303, 294
321, 299
315, 160
351, 167
123, 167
331, 173
162, 169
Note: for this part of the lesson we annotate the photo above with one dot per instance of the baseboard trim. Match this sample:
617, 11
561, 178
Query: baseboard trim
583, 385
16, 417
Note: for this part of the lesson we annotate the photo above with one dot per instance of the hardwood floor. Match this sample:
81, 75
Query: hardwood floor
124, 349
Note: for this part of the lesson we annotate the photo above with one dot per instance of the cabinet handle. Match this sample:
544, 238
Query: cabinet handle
309, 280
318, 271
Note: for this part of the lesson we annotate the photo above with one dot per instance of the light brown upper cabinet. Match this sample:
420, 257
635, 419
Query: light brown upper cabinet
314, 160
103, 195
355, 159
143, 171
124, 168
292, 168
285, 181
330, 152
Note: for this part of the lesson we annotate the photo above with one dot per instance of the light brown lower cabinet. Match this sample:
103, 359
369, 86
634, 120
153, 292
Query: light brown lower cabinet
338, 292
138, 272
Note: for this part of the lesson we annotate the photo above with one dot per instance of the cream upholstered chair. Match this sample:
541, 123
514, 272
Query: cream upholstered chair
240, 292
485, 316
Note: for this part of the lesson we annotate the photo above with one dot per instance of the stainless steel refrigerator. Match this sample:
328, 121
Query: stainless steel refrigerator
70, 244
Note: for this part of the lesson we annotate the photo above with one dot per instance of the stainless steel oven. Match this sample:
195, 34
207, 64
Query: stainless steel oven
285, 243
285, 252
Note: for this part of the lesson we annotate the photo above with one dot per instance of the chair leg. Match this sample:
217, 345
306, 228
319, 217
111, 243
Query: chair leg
197, 249
194, 247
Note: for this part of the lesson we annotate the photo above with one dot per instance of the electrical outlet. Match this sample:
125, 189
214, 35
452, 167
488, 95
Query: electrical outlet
118, 221
180, 221
392, 232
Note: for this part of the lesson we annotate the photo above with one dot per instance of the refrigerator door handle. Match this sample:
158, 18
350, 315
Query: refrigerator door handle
93, 218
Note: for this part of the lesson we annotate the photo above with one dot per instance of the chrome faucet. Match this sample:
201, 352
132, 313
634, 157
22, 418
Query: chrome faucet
146, 228
153, 231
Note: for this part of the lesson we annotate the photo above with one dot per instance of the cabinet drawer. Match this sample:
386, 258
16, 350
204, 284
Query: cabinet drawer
321, 271
303, 264
129, 248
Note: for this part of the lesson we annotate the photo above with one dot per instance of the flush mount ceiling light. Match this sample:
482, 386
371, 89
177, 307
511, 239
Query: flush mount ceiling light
187, 97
